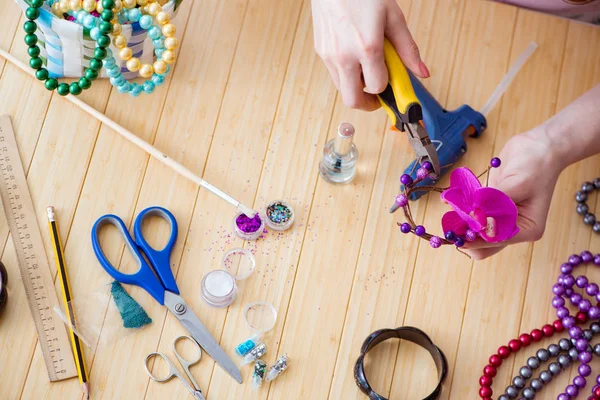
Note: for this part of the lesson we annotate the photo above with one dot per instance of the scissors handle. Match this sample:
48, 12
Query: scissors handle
144, 277
160, 259
173, 372
185, 363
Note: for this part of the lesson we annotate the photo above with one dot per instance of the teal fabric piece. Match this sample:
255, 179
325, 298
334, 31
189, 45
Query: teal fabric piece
132, 313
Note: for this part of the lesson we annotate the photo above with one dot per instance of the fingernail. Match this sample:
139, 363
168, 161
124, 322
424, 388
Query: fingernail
424, 70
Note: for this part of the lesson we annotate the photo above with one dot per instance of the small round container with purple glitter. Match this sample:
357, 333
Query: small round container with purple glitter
279, 215
248, 228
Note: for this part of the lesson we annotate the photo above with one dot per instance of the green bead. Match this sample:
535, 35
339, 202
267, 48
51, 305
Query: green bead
95, 64
75, 89
37, 3
35, 63
63, 89
30, 26
99, 53
107, 15
90, 74
103, 41
108, 4
105, 27
31, 39
51, 84
41, 74
33, 51
32, 13
84, 83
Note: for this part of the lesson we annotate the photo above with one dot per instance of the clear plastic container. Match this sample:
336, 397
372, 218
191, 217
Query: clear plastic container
273, 215
248, 235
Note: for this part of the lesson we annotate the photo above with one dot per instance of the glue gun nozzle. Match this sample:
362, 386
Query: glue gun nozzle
394, 208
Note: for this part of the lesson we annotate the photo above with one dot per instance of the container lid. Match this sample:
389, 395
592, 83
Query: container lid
240, 263
260, 316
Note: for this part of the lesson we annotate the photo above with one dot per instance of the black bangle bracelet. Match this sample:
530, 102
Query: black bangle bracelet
3, 281
411, 334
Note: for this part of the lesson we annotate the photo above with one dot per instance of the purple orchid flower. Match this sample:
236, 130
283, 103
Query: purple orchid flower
484, 210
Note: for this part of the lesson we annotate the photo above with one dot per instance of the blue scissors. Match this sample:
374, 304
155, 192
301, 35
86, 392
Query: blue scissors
157, 279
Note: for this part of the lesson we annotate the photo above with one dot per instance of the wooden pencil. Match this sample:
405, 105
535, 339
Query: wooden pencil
66, 291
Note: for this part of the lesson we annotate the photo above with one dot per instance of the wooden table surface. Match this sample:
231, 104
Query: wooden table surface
249, 107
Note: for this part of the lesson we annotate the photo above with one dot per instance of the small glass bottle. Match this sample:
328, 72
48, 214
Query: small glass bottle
247, 345
339, 156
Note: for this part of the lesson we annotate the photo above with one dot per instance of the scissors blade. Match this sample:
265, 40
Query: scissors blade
198, 331
422, 146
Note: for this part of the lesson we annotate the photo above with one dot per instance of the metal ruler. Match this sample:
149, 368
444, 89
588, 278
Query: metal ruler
33, 263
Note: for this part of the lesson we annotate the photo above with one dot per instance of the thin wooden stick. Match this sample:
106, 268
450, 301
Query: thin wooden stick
142, 144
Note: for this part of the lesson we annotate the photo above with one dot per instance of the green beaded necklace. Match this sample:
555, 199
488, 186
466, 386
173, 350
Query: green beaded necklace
91, 73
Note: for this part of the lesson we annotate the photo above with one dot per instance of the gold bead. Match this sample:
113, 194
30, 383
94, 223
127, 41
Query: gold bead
75, 5
119, 41
118, 6
162, 18
171, 43
99, 7
117, 29
89, 5
168, 56
133, 64
64, 6
146, 71
129, 3
169, 30
125, 54
153, 9
142, 2
56, 10
160, 67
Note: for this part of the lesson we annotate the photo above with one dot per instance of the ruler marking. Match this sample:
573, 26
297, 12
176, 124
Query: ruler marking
38, 282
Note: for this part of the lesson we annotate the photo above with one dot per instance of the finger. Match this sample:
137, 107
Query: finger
482, 254
333, 72
351, 88
375, 72
399, 35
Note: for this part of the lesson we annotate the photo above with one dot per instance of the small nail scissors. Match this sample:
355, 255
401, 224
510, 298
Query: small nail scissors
157, 279
174, 372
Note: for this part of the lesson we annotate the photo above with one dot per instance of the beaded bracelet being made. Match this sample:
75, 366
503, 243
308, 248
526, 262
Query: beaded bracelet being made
478, 212
582, 206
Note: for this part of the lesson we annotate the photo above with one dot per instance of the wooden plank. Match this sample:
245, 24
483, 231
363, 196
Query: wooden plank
236, 157
434, 305
491, 315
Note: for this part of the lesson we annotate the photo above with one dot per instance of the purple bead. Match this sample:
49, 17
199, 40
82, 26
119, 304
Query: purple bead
574, 260
598, 297
585, 357
581, 281
575, 332
568, 281
561, 279
427, 165
579, 381
401, 200
581, 344
470, 235
419, 230
435, 242
450, 236
598, 379
576, 298
406, 180
459, 242
597, 259
566, 268
558, 301
422, 173
584, 370
563, 396
495, 162
568, 292
405, 227
562, 312
592, 289
558, 289
568, 322
584, 305
572, 390
594, 312
586, 256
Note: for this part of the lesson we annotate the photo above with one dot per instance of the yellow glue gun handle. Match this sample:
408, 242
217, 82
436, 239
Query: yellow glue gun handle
405, 99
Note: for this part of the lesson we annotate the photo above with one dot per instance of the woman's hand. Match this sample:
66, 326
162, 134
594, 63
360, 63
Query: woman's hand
349, 36
528, 175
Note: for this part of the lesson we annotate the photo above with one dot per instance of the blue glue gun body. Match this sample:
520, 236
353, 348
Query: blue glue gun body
447, 131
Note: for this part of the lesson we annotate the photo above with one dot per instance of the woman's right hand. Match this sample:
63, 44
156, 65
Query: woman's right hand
349, 36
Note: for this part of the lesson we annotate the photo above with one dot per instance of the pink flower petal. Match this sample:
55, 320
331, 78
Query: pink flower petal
497, 205
464, 179
462, 205
452, 221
